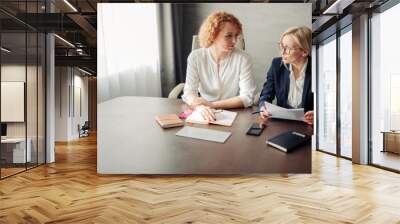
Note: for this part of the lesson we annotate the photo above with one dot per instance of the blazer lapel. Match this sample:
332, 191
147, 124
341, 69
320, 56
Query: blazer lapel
286, 80
307, 83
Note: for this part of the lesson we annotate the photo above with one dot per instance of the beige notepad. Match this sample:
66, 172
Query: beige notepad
223, 117
169, 121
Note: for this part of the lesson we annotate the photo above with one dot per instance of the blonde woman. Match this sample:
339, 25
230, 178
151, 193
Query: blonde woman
219, 71
289, 77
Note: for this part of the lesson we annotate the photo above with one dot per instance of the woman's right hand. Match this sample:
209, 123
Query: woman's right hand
206, 112
264, 114
196, 101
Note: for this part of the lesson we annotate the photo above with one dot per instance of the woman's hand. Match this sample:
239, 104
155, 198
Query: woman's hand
206, 112
196, 101
264, 114
309, 117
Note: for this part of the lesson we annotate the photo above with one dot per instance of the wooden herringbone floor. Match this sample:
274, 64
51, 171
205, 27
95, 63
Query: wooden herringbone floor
70, 191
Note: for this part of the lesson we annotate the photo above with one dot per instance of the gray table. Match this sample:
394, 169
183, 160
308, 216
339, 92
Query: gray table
131, 142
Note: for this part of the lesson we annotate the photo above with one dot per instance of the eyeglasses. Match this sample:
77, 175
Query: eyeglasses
287, 49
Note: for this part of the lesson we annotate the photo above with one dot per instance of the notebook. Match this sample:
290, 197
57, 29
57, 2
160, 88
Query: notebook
288, 141
169, 121
204, 134
223, 117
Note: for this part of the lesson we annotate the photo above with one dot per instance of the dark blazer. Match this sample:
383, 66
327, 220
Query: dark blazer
277, 85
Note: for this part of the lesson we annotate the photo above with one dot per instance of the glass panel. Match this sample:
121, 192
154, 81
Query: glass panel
13, 87
327, 96
385, 84
32, 7
22, 88
31, 101
345, 94
41, 98
314, 81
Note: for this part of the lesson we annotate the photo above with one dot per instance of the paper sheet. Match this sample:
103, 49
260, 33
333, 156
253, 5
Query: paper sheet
223, 117
204, 134
283, 113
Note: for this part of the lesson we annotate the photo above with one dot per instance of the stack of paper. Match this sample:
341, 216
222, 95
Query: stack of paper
223, 117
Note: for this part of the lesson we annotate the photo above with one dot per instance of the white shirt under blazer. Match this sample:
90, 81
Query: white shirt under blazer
235, 77
296, 87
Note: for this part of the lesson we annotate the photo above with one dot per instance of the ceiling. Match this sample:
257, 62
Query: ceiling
76, 22
76, 26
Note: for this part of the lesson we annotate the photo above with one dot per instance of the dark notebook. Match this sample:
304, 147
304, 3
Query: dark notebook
288, 141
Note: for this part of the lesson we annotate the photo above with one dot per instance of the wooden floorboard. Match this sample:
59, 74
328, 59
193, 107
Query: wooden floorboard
70, 191
387, 159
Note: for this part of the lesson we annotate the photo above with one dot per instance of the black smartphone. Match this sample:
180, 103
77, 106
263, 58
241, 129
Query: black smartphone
256, 129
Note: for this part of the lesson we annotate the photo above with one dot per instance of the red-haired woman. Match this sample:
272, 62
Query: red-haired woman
219, 71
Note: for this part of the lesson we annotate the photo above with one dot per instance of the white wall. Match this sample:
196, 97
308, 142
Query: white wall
62, 81
263, 24
80, 83
33, 126
68, 82
12, 73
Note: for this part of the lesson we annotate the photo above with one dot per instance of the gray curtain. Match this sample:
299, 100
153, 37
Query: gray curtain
171, 46
180, 62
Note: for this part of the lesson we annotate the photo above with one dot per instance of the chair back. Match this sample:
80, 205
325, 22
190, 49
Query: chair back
85, 125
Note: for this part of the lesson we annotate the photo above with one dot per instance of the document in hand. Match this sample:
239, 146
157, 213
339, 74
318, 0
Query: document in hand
283, 113
223, 117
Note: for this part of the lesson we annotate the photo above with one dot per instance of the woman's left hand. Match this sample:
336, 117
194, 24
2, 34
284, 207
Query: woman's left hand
309, 117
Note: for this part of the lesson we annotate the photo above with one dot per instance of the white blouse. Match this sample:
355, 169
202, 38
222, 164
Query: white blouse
235, 76
296, 87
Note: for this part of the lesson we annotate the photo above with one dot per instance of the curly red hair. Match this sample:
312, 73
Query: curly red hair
211, 27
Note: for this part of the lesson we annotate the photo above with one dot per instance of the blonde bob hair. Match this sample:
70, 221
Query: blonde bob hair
214, 23
302, 37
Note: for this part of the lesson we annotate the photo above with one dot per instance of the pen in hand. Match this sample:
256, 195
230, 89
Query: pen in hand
256, 112
262, 110
217, 111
